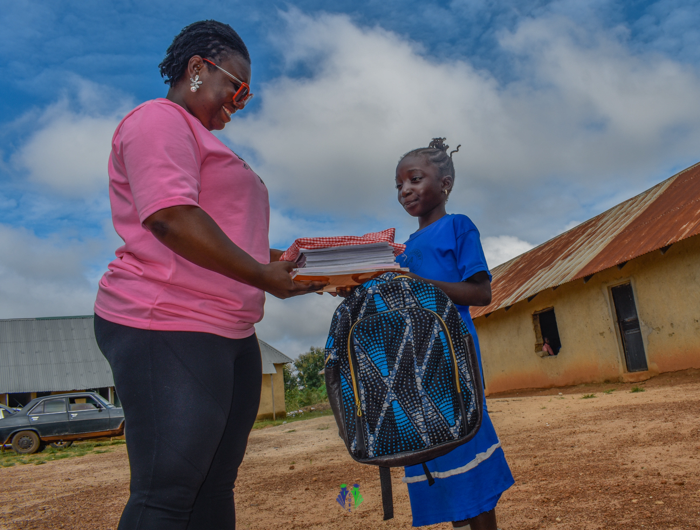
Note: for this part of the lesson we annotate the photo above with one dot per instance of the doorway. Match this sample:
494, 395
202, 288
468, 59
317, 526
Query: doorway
630, 332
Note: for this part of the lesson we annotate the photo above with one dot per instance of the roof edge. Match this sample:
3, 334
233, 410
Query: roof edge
665, 184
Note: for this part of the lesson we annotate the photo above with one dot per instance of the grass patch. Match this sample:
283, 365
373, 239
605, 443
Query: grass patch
588, 396
9, 458
609, 391
290, 419
636, 389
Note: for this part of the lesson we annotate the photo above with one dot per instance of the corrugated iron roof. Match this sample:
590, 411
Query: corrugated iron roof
49, 355
665, 214
60, 354
271, 356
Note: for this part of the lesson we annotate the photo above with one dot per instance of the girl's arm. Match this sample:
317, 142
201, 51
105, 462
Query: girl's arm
475, 290
275, 254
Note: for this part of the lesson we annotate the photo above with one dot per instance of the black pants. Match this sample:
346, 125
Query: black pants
190, 400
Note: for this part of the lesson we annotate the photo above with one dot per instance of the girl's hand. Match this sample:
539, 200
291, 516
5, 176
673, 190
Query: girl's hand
343, 292
276, 280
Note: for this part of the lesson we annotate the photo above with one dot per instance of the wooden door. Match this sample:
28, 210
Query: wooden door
631, 334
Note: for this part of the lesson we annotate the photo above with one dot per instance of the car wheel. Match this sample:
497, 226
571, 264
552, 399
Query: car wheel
26, 442
61, 444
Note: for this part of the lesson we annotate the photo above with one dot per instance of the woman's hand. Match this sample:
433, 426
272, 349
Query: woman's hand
276, 280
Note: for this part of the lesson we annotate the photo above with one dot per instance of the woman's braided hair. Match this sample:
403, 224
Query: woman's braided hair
436, 152
206, 38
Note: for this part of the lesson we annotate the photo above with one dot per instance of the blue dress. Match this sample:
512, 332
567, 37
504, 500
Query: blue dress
470, 479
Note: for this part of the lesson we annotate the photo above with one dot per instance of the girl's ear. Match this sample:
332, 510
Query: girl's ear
447, 183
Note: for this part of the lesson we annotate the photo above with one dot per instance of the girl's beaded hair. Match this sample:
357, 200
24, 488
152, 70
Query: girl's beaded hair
436, 152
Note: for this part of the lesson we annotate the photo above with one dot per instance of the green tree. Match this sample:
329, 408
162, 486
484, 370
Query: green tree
291, 382
308, 366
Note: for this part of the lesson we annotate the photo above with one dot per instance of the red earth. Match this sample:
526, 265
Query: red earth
619, 460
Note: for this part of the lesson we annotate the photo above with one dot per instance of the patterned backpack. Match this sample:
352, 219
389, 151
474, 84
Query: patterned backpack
402, 376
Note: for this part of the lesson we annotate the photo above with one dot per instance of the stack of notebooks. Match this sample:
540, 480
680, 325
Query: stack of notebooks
345, 266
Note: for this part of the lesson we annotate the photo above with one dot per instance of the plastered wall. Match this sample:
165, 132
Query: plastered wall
667, 294
265, 408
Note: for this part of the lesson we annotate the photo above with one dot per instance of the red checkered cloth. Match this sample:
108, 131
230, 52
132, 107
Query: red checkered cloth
311, 243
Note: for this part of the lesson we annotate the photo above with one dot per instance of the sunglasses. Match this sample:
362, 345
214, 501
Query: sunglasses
243, 94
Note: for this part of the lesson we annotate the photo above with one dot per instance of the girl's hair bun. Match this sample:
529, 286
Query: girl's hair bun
439, 143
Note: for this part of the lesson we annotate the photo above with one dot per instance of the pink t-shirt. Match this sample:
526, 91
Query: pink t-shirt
162, 156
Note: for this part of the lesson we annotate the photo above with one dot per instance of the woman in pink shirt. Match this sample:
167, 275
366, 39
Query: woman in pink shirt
175, 312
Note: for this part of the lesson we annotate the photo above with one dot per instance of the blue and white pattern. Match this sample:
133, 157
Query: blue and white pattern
402, 333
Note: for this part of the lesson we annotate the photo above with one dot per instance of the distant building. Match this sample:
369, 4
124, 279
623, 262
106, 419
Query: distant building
42, 356
272, 394
617, 297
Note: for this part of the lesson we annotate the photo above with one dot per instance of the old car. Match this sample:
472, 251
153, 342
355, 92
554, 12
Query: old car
59, 420
6, 412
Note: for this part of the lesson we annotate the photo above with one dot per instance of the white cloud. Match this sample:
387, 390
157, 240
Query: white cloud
587, 119
286, 227
70, 149
586, 113
571, 224
45, 276
503, 248
295, 324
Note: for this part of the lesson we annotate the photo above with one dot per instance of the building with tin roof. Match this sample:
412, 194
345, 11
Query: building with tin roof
615, 298
42, 356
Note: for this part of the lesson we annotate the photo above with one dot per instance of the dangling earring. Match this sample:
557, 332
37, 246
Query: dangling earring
194, 83
446, 192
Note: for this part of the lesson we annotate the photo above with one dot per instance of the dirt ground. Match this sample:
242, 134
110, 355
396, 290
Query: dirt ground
617, 460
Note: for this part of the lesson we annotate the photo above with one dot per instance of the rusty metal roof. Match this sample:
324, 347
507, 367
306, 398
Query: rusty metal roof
665, 214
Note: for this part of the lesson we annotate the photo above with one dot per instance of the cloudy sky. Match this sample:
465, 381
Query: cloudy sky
563, 109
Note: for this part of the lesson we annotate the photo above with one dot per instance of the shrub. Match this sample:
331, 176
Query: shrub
303, 384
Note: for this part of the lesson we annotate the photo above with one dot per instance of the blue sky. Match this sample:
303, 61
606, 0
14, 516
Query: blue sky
563, 109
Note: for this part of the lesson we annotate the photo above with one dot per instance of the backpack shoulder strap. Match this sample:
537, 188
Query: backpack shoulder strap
387, 495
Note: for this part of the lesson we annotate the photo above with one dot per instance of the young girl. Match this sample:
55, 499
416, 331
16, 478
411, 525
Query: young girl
446, 252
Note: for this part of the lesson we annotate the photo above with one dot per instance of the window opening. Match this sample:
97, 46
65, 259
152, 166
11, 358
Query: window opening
54, 405
546, 333
83, 403
38, 409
